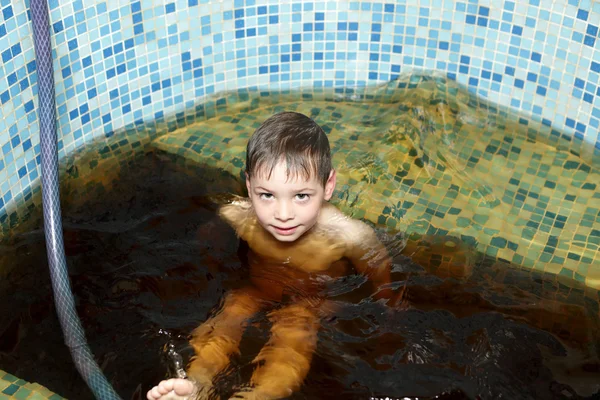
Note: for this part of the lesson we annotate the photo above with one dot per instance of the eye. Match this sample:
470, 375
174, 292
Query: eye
266, 196
302, 197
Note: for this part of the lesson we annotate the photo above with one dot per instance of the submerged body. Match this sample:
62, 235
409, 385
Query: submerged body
299, 243
288, 279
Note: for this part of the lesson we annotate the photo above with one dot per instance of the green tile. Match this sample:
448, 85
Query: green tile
480, 219
10, 390
566, 272
499, 242
22, 394
10, 378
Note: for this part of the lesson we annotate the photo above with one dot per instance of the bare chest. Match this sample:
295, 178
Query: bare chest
311, 255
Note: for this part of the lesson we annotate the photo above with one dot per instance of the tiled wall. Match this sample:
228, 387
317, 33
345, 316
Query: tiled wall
119, 63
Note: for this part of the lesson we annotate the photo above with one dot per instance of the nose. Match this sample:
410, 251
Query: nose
284, 211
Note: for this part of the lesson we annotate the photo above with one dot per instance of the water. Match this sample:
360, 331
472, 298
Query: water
146, 272
149, 261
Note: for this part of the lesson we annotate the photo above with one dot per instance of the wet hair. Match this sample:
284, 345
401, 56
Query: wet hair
293, 138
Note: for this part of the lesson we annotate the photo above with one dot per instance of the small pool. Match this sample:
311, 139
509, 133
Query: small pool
460, 191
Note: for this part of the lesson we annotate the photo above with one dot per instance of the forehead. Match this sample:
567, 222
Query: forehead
281, 175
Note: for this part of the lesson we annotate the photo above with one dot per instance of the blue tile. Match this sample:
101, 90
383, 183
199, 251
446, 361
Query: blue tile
7, 13
15, 141
6, 148
532, 77
589, 41
517, 30
29, 106
582, 14
541, 90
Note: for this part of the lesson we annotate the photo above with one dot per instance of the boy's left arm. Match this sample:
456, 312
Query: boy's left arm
370, 258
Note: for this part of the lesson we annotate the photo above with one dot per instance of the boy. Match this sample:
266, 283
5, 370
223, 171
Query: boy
297, 243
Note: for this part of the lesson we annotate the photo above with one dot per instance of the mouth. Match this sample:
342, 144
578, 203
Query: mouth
285, 231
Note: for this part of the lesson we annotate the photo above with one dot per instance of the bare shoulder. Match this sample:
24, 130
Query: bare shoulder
353, 231
361, 244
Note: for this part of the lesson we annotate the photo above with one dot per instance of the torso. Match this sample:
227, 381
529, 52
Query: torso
302, 268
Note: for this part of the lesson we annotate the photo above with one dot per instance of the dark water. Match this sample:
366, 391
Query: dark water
149, 261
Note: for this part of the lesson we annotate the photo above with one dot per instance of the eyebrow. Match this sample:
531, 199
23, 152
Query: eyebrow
297, 191
305, 190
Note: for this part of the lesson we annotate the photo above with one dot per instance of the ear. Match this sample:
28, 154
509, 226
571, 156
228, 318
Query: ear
330, 185
248, 185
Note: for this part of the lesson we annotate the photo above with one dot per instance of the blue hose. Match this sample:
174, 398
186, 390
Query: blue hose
63, 296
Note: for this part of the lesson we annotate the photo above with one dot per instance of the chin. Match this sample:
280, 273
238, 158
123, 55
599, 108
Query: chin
288, 239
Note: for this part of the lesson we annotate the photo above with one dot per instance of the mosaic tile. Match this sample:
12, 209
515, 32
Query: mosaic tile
12, 387
36, 396
22, 394
9, 378
10, 390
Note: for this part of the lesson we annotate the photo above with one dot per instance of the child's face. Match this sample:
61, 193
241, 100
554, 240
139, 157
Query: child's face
287, 208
